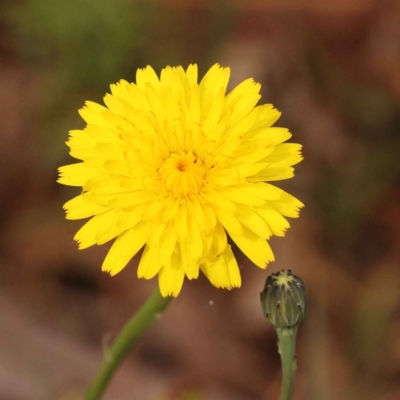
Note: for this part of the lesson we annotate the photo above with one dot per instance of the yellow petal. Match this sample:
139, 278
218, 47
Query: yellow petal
190, 263
253, 222
254, 247
246, 88
86, 236
180, 222
285, 154
215, 78
75, 174
123, 200
272, 173
104, 184
171, 277
272, 136
125, 247
149, 265
92, 113
195, 210
110, 230
167, 246
78, 208
267, 115
147, 75
194, 241
132, 217
80, 138
215, 199
210, 219
229, 222
277, 223
114, 104
137, 98
119, 89
224, 271
219, 238
243, 99
240, 196
287, 205
246, 170
213, 116
191, 73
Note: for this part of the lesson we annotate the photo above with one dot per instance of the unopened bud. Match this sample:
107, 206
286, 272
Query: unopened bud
284, 299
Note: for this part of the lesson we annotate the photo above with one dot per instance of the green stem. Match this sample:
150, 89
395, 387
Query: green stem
287, 350
128, 337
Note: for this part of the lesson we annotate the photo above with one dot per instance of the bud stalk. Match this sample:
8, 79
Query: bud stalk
284, 303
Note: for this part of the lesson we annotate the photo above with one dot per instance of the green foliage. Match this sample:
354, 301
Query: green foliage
77, 48
85, 42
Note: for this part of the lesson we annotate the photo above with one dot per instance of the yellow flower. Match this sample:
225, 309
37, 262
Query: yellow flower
174, 167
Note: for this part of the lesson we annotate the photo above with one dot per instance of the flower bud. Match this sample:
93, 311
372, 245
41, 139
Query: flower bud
284, 299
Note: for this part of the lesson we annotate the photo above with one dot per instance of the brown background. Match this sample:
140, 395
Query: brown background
333, 69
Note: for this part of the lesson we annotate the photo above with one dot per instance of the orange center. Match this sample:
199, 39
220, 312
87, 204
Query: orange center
181, 174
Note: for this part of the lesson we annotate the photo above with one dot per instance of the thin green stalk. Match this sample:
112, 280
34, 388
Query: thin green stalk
128, 337
287, 350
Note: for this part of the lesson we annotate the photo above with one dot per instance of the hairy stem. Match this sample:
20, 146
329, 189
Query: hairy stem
131, 332
287, 351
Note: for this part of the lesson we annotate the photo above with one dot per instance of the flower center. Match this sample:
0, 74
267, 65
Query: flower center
283, 279
183, 165
182, 174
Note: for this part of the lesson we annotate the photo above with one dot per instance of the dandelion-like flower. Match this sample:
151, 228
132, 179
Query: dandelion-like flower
174, 166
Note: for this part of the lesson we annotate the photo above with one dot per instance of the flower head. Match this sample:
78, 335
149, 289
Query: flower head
174, 166
284, 300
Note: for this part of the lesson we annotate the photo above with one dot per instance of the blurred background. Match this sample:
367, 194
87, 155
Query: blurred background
333, 69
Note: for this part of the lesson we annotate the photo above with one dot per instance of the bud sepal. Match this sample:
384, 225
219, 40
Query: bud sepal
284, 300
